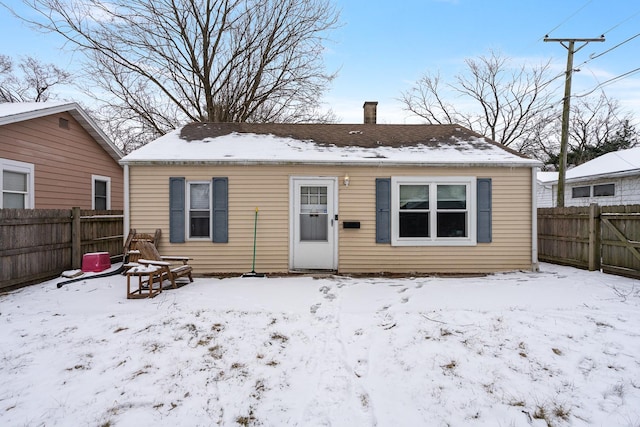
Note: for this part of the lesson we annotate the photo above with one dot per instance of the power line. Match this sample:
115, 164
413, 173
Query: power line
564, 138
592, 57
607, 82
622, 22
568, 18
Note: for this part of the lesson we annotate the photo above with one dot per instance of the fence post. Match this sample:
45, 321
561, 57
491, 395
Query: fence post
76, 239
594, 237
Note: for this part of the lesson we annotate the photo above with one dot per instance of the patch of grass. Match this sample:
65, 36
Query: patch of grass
273, 363
550, 415
450, 366
540, 413
603, 325
216, 352
237, 365
78, 368
562, 412
279, 337
364, 400
247, 420
204, 340
120, 330
445, 332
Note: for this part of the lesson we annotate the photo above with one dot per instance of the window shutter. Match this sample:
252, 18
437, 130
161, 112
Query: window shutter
383, 210
220, 210
176, 209
484, 210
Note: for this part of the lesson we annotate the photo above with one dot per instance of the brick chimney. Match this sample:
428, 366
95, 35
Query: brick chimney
370, 112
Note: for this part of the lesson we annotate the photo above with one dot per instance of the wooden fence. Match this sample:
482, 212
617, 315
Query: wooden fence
593, 237
39, 244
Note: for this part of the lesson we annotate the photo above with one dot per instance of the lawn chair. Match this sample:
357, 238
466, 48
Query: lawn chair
171, 267
131, 250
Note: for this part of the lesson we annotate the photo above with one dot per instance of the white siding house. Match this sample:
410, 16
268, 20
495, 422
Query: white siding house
611, 179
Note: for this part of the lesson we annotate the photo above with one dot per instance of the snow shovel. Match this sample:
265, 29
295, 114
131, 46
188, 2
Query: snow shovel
253, 265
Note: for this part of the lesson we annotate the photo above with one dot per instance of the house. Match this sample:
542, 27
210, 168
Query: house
352, 198
611, 179
545, 189
54, 156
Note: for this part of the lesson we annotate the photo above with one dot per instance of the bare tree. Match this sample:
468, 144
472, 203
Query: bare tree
598, 126
503, 102
166, 62
32, 82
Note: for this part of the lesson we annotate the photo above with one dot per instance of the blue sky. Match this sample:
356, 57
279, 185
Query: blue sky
384, 47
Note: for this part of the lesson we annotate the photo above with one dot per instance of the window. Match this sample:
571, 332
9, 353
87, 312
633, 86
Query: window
577, 192
604, 190
600, 190
100, 193
433, 211
199, 209
413, 213
17, 184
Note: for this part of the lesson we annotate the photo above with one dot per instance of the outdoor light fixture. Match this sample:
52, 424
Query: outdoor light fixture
346, 180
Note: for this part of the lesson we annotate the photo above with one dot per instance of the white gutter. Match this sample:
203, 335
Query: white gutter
534, 221
333, 162
126, 226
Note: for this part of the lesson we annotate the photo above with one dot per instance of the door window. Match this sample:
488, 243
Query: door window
313, 213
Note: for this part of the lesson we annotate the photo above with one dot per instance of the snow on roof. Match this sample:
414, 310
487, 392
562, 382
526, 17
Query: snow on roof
623, 161
326, 143
545, 177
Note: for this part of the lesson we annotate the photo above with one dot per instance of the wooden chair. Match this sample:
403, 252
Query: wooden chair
171, 267
131, 250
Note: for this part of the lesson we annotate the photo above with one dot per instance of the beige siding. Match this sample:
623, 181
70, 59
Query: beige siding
267, 187
64, 160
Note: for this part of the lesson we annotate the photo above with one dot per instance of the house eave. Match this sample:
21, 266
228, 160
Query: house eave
87, 123
623, 174
374, 163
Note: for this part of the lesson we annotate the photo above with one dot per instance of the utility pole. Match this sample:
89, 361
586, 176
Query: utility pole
564, 138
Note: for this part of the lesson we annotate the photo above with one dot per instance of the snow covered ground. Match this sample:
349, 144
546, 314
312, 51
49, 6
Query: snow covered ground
559, 347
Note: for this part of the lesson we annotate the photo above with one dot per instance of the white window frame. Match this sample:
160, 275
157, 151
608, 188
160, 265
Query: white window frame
106, 179
433, 182
593, 191
19, 167
575, 187
187, 216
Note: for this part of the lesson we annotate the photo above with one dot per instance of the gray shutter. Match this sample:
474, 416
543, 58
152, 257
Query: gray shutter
484, 210
383, 210
176, 210
220, 210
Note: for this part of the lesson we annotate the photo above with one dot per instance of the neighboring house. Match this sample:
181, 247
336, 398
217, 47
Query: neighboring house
349, 198
54, 156
545, 188
611, 179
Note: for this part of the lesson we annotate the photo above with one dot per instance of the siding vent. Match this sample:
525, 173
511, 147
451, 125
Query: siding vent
63, 123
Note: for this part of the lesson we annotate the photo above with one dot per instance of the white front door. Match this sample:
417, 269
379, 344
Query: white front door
313, 223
